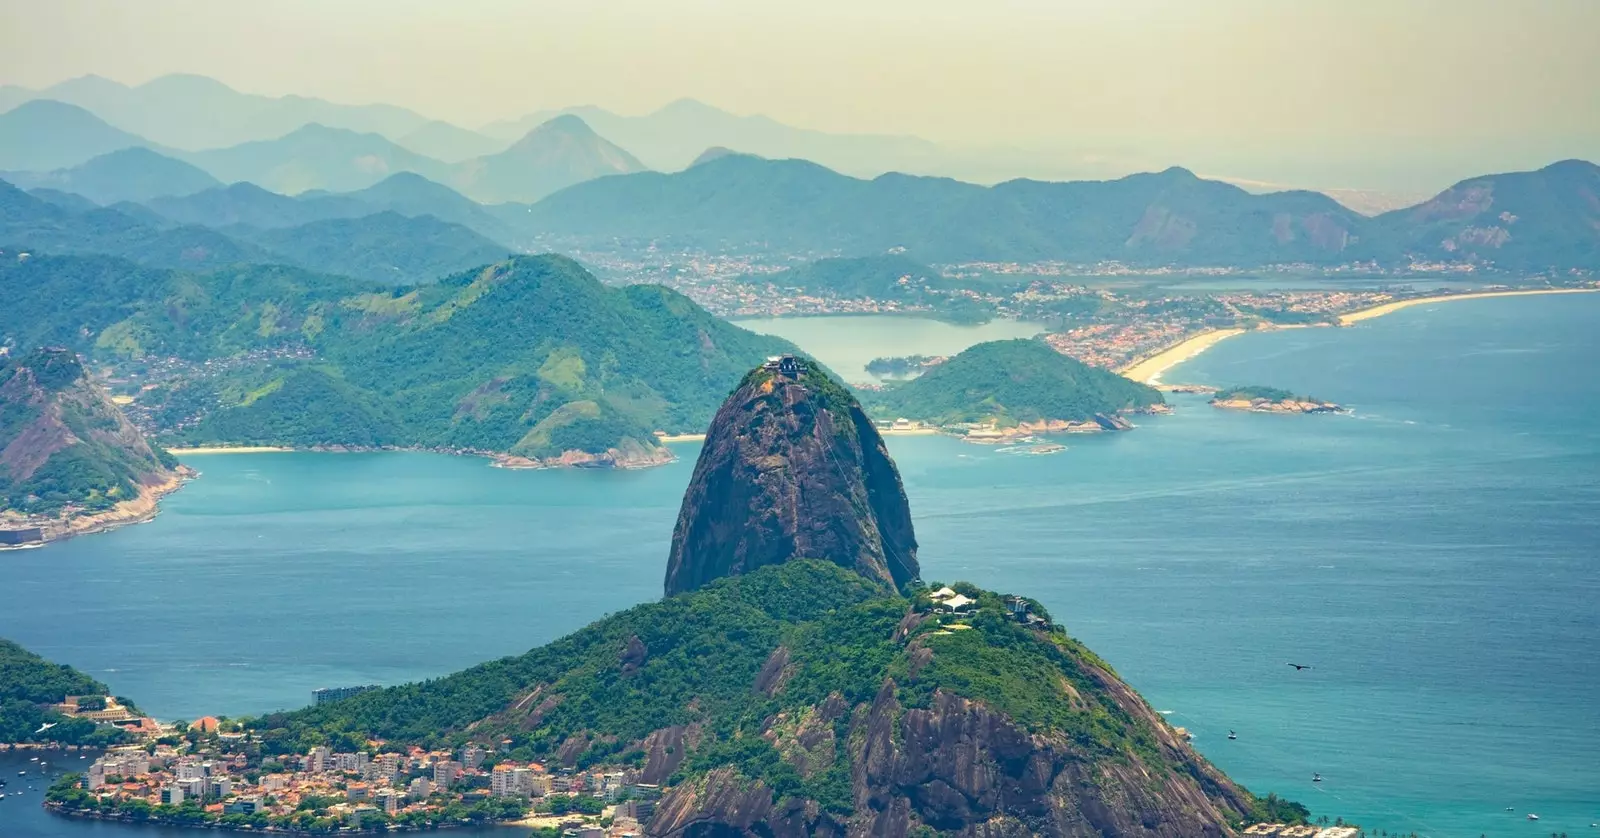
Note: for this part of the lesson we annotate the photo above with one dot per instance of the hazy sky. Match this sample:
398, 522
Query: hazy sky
1504, 83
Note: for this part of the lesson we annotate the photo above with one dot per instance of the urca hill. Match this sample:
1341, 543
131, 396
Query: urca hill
799, 680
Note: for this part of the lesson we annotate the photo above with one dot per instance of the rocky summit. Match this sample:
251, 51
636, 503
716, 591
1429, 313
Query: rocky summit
792, 468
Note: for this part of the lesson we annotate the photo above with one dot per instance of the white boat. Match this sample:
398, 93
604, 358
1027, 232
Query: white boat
1532, 816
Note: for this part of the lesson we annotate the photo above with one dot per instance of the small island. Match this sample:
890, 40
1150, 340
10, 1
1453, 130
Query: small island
1010, 390
906, 366
1259, 399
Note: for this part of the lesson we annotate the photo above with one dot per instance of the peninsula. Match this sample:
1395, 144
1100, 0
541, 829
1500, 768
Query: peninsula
70, 462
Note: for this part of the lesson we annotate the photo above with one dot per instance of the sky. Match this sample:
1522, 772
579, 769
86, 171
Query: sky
1330, 89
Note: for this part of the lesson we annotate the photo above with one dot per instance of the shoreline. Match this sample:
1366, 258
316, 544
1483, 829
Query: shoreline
229, 449
1396, 305
141, 509
1149, 370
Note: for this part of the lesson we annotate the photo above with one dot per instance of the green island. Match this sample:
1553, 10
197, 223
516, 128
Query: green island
904, 365
1018, 385
1271, 400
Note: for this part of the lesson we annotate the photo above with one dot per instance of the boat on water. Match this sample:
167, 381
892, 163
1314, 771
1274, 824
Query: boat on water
1232, 735
1532, 816
1316, 778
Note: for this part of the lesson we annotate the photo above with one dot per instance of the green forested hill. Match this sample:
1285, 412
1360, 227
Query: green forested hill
382, 247
1010, 380
62, 441
788, 678
526, 355
28, 683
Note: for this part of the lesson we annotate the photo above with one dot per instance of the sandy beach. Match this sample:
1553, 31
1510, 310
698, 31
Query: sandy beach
1386, 308
680, 438
227, 449
1150, 369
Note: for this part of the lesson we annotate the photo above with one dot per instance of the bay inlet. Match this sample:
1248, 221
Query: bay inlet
1430, 554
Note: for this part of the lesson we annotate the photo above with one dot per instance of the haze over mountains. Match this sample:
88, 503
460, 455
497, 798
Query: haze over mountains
583, 176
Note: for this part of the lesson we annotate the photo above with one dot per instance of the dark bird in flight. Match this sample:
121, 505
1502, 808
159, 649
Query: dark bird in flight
1300, 666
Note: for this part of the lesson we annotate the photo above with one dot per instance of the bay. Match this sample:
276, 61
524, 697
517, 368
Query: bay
1432, 555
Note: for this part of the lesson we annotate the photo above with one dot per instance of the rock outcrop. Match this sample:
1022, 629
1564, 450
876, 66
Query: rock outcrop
70, 461
792, 468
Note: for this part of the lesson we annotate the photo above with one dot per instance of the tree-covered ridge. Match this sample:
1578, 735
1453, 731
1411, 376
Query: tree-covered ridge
29, 684
63, 443
479, 360
1010, 381
776, 675
379, 244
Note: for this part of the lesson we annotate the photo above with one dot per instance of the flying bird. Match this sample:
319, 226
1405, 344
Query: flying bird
1300, 666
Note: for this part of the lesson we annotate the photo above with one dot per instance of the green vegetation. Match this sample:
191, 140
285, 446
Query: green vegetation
383, 247
378, 245
900, 366
29, 684
1010, 381
531, 353
699, 658
1253, 392
62, 441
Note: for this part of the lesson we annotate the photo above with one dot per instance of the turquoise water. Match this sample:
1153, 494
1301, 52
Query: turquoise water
846, 344
1433, 556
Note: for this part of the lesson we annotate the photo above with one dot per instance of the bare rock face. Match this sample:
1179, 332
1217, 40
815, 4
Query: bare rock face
792, 468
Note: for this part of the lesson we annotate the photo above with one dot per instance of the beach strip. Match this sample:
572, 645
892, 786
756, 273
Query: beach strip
1150, 369
1387, 308
227, 449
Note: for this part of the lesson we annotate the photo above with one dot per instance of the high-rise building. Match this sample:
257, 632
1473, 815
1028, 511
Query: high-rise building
445, 773
172, 795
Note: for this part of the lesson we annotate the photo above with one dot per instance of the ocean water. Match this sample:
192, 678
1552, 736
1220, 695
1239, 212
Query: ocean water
1434, 556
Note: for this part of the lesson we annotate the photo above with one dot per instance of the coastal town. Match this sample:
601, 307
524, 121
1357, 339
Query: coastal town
213, 772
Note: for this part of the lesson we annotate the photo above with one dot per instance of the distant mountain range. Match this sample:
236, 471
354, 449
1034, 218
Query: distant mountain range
340, 235
582, 185
135, 173
553, 155
42, 142
671, 138
42, 136
194, 112
1549, 219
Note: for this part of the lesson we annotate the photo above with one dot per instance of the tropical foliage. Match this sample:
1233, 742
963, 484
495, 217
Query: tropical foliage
1010, 381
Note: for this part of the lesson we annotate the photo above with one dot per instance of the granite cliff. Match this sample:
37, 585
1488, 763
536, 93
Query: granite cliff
792, 468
